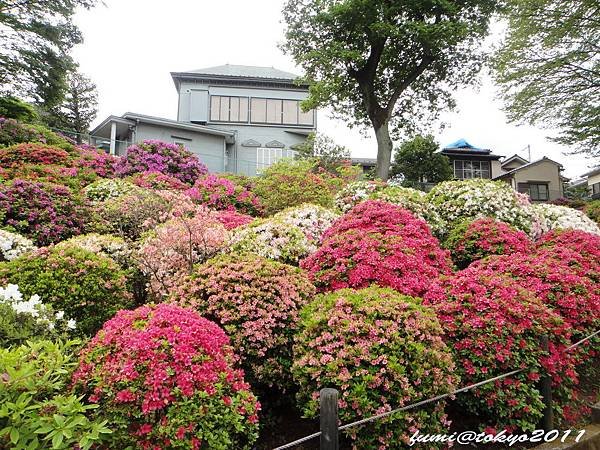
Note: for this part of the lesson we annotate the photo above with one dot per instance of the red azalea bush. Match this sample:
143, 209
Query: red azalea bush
157, 180
44, 212
224, 194
163, 157
494, 325
381, 350
165, 378
233, 219
377, 242
32, 153
473, 240
256, 301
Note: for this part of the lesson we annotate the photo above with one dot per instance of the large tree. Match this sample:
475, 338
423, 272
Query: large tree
384, 63
418, 161
549, 68
35, 39
324, 149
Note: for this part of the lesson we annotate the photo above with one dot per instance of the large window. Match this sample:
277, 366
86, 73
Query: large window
595, 190
537, 191
266, 156
279, 112
464, 169
228, 109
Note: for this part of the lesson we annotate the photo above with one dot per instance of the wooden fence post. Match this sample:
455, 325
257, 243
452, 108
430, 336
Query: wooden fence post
329, 419
546, 390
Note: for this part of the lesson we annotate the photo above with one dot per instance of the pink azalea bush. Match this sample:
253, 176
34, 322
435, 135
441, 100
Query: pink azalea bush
473, 240
171, 250
157, 180
163, 157
32, 153
165, 378
377, 242
233, 219
381, 350
43, 212
257, 302
224, 194
97, 160
493, 325
585, 244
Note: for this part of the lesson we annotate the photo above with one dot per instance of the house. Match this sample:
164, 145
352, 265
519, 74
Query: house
236, 118
542, 179
469, 161
593, 182
366, 164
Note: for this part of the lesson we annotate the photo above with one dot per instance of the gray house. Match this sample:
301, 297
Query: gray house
237, 119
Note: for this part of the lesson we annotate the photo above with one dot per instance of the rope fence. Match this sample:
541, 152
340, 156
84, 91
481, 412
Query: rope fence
328, 397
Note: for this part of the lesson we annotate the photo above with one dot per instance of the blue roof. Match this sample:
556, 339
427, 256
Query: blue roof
462, 144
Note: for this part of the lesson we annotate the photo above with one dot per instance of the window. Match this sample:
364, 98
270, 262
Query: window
228, 109
267, 156
536, 191
464, 169
280, 112
258, 110
595, 189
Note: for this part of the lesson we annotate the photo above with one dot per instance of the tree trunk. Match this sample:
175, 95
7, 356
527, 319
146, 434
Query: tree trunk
384, 150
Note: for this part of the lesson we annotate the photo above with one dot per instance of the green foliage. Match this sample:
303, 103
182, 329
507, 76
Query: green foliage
14, 132
291, 183
592, 210
329, 155
35, 410
90, 288
14, 108
418, 160
548, 69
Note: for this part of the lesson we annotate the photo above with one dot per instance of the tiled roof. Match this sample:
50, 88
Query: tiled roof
232, 70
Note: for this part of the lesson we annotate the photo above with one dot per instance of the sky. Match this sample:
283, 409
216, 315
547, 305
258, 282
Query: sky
131, 46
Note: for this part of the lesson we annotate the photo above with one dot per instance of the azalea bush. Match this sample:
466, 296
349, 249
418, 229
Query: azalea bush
224, 194
14, 132
382, 350
43, 212
163, 157
164, 377
113, 247
313, 220
233, 219
294, 182
476, 239
256, 301
585, 245
157, 180
90, 288
32, 153
106, 189
97, 160
36, 410
13, 245
377, 242
563, 217
171, 250
592, 210
456, 201
356, 192
273, 239
493, 325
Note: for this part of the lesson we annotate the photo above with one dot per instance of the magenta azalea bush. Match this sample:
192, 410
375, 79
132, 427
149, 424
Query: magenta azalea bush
44, 212
163, 157
382, 350
473, 240
97, 160
377, 242
224, 194
233, 219
257, 302
164, 377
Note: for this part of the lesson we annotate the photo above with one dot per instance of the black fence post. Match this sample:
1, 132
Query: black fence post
329, 419
546, 390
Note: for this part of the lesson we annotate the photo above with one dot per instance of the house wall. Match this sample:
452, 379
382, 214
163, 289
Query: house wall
592, 180
545, 171
210, 149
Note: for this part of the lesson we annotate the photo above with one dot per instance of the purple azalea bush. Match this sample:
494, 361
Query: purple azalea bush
162, 157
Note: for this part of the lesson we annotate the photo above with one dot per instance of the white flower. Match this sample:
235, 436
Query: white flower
13, 245
59, 315
71, 324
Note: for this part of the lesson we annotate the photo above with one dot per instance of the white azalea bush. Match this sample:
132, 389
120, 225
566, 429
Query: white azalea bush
273, 239
356, 192
22, 319
114, 247
107, 189
557, 217
13, 245
456, 201
313, 220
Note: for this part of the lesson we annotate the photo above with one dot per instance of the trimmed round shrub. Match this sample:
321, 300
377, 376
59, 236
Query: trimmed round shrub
170, 251
97, 160
382, 350
563, 217
456, 201
44, 212
313, 220
233, 219
33, 153
13, 245
377, 242
106, 189
162, 157
587, 245
294, 182
107, 245
271, 239
473, 240
15, 132
90, 288
354, 193
224, 194
256, 301
164, 377
157, 180
493, 325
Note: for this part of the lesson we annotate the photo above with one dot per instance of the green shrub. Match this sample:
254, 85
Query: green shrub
14, 132
14, 108
35, 410
90, 288
592, 210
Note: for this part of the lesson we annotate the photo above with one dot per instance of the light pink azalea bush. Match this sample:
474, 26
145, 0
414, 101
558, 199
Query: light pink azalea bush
257, 302
377, 242
381, 350
165, 378
157, 180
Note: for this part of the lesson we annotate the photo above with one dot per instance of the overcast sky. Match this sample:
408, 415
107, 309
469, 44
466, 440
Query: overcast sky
131, 46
